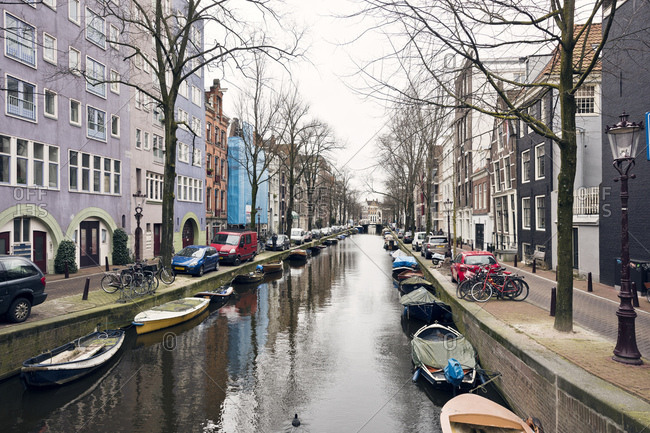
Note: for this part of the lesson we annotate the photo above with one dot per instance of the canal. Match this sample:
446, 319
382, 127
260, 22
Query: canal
323, 340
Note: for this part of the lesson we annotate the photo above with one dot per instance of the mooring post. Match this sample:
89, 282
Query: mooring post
106, 262
590, 285
534, 265
515, 262
635, 296
553, 300
86, 287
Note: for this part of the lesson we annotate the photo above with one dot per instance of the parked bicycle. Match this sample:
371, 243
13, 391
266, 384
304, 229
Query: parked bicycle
504, 284
113, 281
163, 273
464, 288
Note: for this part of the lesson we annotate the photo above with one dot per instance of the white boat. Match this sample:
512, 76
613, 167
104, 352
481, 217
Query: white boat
169, 314
73, 360
470, 413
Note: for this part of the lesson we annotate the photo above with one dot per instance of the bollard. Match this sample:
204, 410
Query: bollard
534, 265
590, 286
67, 272
86, 287
635, 296
553, 300
106, 261
515, 262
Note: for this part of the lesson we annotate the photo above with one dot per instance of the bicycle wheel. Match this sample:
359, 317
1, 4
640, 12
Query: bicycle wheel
463, 290
481, 291
154, 282
166, 275
109, 283
522, 290
139, 283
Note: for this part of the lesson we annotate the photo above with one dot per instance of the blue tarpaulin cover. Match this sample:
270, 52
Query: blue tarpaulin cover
405, 261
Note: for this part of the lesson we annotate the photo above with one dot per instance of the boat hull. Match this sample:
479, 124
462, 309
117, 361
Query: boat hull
468, 413
429, 313
159, 318
217, 295
271, 268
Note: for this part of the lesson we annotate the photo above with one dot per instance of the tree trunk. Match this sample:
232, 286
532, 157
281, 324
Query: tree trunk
169, 178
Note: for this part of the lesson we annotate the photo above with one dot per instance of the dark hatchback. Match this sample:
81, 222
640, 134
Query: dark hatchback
22, 285
281, 243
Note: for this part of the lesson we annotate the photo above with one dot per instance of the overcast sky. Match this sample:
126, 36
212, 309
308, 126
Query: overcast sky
324, 81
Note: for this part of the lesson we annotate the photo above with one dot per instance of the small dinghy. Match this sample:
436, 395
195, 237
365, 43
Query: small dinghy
298, 255
221, 294
72, 360
271, 268
249, 278
169, 314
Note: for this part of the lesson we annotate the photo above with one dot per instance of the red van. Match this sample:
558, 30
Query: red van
234, 246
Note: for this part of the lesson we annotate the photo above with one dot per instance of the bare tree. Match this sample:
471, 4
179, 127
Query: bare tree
474, 31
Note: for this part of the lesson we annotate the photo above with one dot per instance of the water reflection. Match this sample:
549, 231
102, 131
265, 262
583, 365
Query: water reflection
322, 339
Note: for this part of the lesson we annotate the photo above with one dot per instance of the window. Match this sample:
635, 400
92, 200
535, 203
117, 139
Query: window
95, 73
49, 48
196, 157
138, 139
189, 189
115, 78
74, 11
115, 126
21, 234
20, 40
196, 126
539, 161
525, 212
75, 118
158, 149
74, 60
114, 36
95, 29
525, 166
586, 100
183, 153
27, 163
50, 3
94, 173
497, 176
182, 89
21, 100
196, 95
540, 214
50, 104
139, 98
154, 186
96, 124
506, 171
147, 142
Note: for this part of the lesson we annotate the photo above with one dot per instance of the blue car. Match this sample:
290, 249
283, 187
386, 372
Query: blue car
195, 260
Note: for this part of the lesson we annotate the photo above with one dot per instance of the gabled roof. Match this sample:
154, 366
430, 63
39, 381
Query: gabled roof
583, 53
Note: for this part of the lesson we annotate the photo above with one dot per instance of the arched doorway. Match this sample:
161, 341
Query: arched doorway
188, 233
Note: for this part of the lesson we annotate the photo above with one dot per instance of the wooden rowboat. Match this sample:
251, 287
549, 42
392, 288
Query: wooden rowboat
72, 360
468, 413
270, 268
169, 314
298, 255
221, 294
249, 278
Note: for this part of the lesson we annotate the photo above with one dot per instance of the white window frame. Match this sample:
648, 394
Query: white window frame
154, 186
115, 118
49, 52
114, 35
138, 138
524, 178
523, 213
537, 158
50, 4
183, 152
94, 34
540, 215
23, 53
589, 94
100, 126
73, 53
158, 149
115, 86
196, 157
77, 11
93, 69
30, 161
147, 142
21, 102
55, 114
78, 103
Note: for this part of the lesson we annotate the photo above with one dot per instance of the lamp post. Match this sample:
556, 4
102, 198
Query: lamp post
138, 230
447, 203
623, 140
258, 209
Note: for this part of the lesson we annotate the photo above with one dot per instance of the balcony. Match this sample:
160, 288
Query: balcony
586, 201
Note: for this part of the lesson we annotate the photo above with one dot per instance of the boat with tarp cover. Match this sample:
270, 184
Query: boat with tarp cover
73, 360
169, 314
443, 355
414, 283
423, 305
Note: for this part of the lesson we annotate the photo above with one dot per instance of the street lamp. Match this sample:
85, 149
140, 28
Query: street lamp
623, 141
258, 209
448, 207
138, 231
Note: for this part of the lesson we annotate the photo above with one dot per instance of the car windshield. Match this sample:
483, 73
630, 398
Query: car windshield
226, 239
191, 252
480, 260
296, 232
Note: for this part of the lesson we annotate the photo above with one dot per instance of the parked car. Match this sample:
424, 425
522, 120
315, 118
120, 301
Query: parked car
470, 261
297, 235
196, 260
408, 237
281, 243
418, 240
235, 247
436, 244
22, 285
307, 237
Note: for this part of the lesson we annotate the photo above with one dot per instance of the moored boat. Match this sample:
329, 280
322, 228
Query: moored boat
249, 278
442, 355
414, 283
169, 314
298, 255
271, 268
468, 413
72, 360
409, 273
220, 294
423, 305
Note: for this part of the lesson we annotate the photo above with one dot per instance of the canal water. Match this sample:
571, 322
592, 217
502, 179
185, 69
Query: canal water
324, 340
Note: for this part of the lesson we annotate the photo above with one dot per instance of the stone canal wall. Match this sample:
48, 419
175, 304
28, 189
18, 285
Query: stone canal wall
538, 382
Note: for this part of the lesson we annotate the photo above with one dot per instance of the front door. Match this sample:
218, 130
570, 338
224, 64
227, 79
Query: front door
157, 232
480, 229
89, 243
188, 233
40, 251
4, 243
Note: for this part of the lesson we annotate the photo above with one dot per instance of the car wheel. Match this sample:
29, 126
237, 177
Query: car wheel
201, 271
237, 261
19, 310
